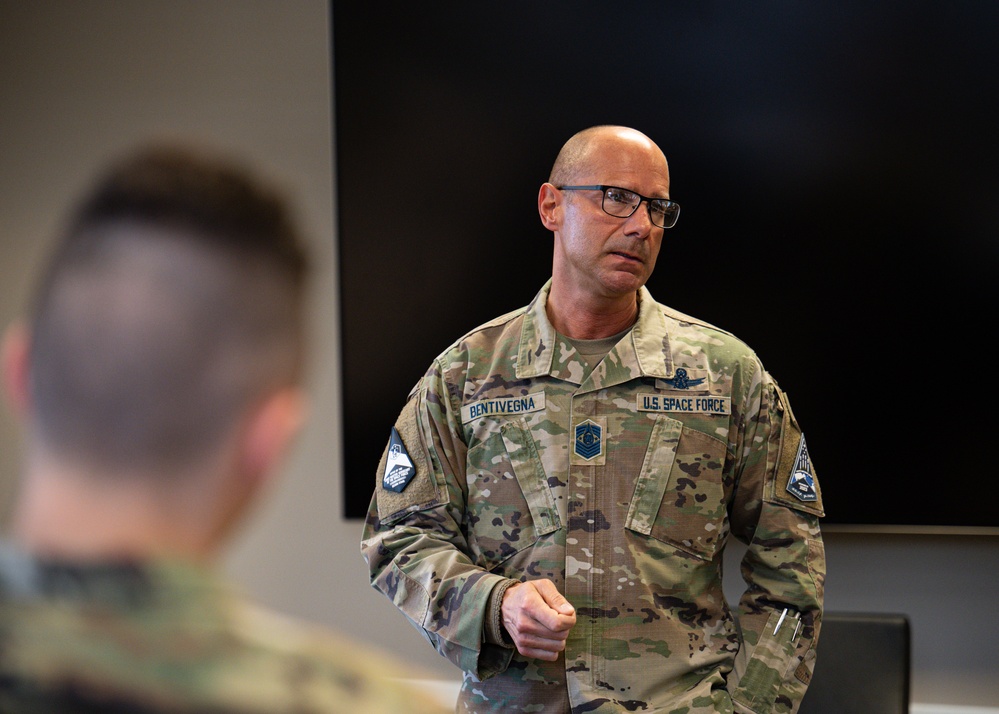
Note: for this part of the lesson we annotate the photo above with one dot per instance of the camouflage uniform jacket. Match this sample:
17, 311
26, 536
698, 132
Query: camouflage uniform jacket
170, 637
622, 486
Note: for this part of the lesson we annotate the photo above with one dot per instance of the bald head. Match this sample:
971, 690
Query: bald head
579, 153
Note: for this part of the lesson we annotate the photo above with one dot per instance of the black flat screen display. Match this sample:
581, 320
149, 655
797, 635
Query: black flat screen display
837, 164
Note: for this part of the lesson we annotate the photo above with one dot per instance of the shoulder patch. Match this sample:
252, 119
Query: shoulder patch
793, 482
801, 482
405, 480
398, 470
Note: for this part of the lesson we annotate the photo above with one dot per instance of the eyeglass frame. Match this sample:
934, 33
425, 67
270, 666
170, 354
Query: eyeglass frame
603, 189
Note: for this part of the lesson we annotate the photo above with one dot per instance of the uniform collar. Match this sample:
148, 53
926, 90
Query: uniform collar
117, 581
643, 352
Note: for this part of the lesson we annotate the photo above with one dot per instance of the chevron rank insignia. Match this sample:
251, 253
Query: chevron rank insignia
589, 440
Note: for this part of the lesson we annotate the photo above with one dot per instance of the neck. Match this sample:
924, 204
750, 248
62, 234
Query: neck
591, 318
72, 514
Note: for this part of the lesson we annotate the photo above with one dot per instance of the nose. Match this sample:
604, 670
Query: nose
640, 222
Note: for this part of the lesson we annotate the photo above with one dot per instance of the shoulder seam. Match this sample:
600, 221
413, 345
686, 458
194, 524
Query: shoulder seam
495, 322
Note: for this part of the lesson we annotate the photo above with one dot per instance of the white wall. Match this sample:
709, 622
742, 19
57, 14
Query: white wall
80, 81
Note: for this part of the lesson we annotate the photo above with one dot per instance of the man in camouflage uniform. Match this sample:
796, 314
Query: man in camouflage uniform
160, 379
553, 505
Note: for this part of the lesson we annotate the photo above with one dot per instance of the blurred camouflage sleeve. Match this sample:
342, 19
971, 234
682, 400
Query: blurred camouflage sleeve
776, 513
413, 542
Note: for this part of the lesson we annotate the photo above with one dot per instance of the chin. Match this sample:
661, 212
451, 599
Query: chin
623, 288
624, 282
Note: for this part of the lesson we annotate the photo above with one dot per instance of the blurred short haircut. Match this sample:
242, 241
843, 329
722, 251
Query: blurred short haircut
172, 303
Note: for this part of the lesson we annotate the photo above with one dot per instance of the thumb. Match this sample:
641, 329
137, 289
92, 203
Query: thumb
554, 598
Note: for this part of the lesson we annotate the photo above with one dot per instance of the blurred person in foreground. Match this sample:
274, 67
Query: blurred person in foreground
159, 380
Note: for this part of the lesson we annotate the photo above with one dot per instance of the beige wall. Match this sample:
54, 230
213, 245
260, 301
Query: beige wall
82, 80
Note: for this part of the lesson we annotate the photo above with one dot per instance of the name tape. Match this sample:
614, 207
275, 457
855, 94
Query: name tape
504, 405
692, 404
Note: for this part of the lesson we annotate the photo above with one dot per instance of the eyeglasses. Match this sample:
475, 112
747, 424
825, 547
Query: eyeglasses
622, 203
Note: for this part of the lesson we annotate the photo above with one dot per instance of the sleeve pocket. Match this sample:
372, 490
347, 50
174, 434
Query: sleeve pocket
760, 684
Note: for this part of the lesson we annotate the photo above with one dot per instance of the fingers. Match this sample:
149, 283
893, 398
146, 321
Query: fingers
533, 640
546, 650
545, 604
538, 618
554, 599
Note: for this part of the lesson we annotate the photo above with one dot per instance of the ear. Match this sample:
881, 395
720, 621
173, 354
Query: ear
269, 431
15, 356
260, 442
549, 206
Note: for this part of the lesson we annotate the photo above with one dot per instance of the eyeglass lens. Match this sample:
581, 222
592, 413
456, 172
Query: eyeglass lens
622, 203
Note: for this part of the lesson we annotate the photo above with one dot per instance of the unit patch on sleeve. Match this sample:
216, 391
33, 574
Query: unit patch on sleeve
801, 483
399, 469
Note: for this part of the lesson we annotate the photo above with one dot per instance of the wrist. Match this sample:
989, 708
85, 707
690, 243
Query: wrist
494, 631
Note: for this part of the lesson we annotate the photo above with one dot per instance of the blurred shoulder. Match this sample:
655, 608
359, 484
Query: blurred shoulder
168, 636
348, 675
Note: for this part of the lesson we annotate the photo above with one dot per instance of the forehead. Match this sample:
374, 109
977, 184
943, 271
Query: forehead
633, 163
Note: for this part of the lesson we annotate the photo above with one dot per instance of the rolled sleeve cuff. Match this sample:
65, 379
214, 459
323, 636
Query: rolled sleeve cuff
493, 631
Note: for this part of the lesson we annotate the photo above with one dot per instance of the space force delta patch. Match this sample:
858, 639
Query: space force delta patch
399, 469
801, 482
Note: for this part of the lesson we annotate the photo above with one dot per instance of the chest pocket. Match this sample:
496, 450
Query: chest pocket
510, 504
680, 495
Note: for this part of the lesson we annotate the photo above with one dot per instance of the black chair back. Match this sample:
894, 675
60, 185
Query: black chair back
862, 666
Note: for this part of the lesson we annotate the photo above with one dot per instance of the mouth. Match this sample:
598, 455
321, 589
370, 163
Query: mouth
630, 257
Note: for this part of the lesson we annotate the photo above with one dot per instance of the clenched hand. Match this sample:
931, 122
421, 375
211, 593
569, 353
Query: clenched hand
538, 618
